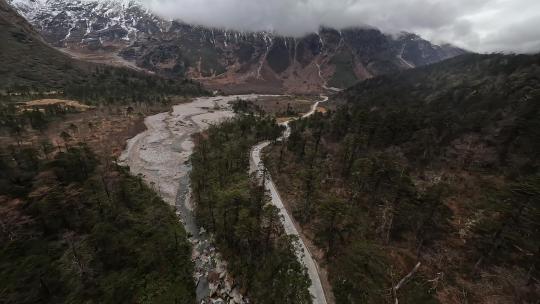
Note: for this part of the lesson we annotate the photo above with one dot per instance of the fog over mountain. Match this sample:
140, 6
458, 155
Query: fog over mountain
478, 25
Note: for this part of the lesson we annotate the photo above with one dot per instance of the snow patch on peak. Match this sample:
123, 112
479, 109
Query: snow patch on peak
78, 21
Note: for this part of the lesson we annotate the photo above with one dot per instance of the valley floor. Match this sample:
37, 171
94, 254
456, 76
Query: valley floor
160, 156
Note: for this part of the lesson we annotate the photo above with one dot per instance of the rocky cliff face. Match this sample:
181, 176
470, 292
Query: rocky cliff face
228, 60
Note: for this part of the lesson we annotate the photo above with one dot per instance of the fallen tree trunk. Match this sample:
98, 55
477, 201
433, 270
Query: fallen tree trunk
403, 281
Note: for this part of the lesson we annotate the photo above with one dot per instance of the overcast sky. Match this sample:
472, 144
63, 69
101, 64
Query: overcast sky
477, 25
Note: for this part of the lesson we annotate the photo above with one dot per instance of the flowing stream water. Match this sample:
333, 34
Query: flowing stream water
160, 155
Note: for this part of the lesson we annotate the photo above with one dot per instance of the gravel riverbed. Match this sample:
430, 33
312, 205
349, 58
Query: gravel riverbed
160, 156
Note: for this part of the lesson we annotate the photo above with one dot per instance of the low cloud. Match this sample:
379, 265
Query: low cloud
478, 25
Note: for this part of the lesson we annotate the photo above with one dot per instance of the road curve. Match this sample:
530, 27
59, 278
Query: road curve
256, 165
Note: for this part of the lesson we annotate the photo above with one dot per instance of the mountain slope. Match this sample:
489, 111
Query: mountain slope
73, 232
492, 98
228, 60
30, 66
436, 167
95, 24
26, 59
328, 58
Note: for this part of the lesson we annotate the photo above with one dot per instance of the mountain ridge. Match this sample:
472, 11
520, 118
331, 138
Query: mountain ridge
231, 61
31, 67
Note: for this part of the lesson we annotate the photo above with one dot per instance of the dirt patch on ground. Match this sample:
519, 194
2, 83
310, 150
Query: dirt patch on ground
322, 110
36, 104
285, 106
283, 119
231, 87
109, 56
105, 129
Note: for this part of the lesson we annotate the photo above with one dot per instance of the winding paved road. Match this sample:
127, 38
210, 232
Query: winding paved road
257, 165
160, 153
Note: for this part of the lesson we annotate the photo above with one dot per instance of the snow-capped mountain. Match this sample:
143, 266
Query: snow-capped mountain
94, 24
224, 59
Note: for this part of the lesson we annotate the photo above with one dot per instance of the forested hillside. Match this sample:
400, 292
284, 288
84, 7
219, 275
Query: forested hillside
74, 227
481, 110
234, 206
30, 68
424, 186
77, 231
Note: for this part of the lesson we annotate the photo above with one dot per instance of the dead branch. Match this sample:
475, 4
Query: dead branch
403, 281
